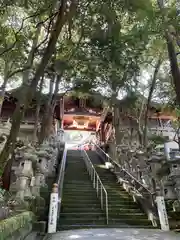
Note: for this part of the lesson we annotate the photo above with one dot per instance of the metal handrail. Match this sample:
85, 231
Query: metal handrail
150, 206
60, 180
56, 195
97, 183
124, 170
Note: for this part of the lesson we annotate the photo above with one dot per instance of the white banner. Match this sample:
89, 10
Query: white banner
162, 213
53, 210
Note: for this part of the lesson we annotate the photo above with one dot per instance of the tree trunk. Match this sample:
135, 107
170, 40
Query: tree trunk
171, 52
19, 111
139, 125
174, 66
28, 92
48, 116
119, 135
38, 107
3, 86
152, 87
46, 113
117, 124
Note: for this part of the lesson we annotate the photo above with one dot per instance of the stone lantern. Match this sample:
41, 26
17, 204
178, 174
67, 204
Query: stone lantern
156, 161
174, 163
52, 151
41, 171
144, 168
24, 174
123, 158
131, 162
169, 189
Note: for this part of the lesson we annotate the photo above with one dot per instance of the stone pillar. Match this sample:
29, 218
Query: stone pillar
175, 174
144, 172
156, 162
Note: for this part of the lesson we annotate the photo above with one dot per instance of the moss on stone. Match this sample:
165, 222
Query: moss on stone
10, 225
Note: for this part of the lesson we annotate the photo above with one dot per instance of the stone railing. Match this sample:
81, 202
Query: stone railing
153, 170
157, 173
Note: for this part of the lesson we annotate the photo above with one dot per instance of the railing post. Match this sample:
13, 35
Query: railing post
96, 182
53, 209
107, 214
101, 198
94, 179
91, 174
97, 186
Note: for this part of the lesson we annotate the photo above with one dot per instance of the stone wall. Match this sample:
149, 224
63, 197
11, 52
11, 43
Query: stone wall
16, 227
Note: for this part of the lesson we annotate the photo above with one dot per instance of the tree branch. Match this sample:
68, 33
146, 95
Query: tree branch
17, 32
48, 30
20, 70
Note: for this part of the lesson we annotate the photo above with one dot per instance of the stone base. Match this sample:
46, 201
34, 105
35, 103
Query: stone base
20, 234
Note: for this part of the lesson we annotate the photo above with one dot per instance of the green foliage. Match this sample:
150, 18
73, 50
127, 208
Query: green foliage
9, 226
105, 47
156, 139
163, 171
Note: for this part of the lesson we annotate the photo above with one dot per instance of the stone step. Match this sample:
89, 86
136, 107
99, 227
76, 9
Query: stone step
121, 201
132, 215
92, 194
114, 207
174, 215
87, 226
83, 209
77, 162
80, 178
80, 205
102, 220
83, 215
70, 173
77, 184
98, 215
87, 221
89, 194
119, 196
81, 191
78, 189
80, 200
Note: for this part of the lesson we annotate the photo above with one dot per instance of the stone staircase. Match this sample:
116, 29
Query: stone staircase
81, 207
123, 211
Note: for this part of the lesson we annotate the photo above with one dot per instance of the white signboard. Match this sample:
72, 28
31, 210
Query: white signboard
53, 210
162, 213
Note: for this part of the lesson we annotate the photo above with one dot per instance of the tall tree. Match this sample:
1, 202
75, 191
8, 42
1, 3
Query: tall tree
65, 13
